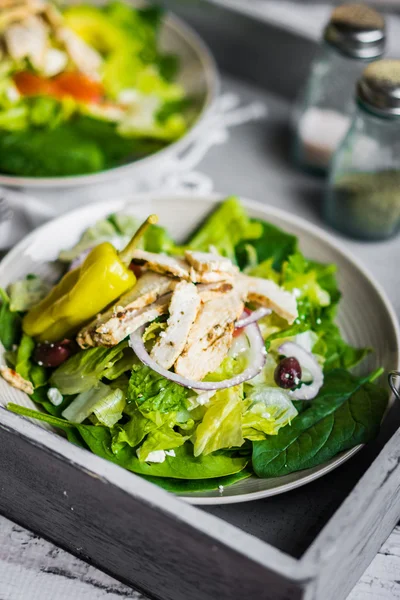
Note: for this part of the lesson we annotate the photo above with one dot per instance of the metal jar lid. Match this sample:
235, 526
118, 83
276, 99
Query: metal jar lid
379, 87
356, 30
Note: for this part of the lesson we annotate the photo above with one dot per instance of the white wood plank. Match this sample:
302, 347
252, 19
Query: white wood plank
32, 568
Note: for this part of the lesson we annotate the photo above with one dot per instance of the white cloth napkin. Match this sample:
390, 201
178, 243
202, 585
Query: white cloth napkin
22, 211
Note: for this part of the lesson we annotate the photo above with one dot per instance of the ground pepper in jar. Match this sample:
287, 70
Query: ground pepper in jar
363, 194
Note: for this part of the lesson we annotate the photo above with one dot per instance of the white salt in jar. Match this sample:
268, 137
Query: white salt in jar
354, 36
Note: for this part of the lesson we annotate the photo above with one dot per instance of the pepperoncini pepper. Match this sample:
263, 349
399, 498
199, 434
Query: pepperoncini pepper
84, 292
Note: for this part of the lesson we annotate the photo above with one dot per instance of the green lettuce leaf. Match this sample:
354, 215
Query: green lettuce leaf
269, 409
138, 426
84, 370
221, 426
164, 438
105, 402
152, 392
264, 270
27, 292
347, 412
271, 244
337, 352
10, 322
224, 229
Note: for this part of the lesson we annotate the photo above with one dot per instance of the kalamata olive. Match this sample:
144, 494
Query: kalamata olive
137, 269
288, 373
52, 355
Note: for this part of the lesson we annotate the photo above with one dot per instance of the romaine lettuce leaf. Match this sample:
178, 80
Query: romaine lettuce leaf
84, 370
105, 402
164, 438
224, 229
337, 352
136, 429
152, 392
265, 270
268, 409
221, 426
271, 243
27, 292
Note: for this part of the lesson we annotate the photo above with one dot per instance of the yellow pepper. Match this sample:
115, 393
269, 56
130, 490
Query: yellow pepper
84, 292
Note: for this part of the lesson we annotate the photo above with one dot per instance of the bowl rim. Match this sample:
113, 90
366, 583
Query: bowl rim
308, 228
213, 88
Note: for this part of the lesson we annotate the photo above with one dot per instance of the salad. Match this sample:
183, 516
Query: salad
193, 365
85, 89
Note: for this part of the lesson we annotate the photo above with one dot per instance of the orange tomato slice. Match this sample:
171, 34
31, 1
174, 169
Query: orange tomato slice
79, 86
29, 84
74, 84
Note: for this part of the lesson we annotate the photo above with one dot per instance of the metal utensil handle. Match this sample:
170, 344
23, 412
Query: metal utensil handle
393, 375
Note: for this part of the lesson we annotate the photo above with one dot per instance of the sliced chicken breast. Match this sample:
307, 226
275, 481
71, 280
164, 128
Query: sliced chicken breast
149, 287
210, 291
203, 358
14, 379
205, 262
185, 303
203, 352
269, 294
28, 39
161, 263
209, 276
121, 325
82, 55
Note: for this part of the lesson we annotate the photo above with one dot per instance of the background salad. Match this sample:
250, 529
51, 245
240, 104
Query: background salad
107, 400
84, 90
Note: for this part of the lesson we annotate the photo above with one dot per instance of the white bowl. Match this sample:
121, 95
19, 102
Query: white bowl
198, 76
365, 315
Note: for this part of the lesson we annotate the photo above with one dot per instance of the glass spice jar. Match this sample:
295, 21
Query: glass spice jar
354, 36
363, 193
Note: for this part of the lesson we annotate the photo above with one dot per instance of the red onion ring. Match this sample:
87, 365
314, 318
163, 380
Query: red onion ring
255, 315
257, 354
308, 361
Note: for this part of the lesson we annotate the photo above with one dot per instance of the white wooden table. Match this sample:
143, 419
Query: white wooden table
33, 569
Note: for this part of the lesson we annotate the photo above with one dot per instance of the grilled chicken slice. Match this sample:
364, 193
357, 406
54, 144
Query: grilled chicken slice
185, 303
209, 276
210, 291
206, 355
28, 39
210, 336
149, 287
160, 263
206, 262
176, 266
15, 12
14, 379
82, 55
122, 325
269, 294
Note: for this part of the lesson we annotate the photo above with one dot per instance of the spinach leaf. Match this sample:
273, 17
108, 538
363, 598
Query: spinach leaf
185, 486
347, 412
152, 392
273, 244
181, 466
10, 322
